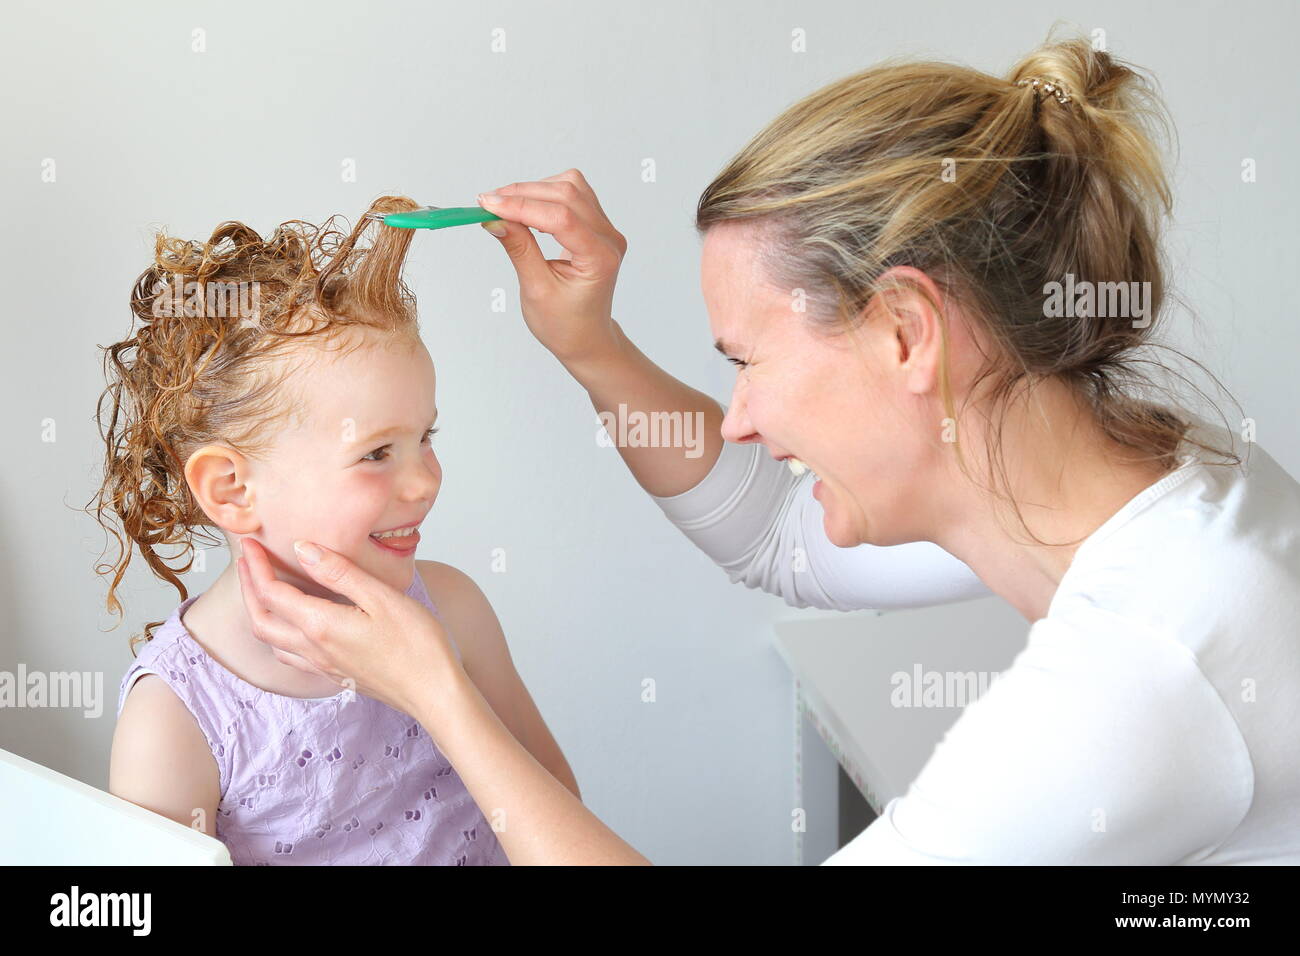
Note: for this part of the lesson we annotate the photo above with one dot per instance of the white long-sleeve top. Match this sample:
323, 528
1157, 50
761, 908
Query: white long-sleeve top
1154, 715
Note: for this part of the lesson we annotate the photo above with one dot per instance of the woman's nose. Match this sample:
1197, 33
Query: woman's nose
736, 427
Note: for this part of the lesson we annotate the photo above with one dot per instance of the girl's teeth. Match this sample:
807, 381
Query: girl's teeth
403, 533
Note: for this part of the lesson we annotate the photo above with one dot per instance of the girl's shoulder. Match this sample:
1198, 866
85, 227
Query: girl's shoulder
451, 591
466, 613
161, 757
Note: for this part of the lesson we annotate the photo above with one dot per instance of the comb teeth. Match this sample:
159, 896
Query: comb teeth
381, 215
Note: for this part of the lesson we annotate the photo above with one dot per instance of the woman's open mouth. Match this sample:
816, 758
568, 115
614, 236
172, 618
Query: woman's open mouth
800, 468
400, 541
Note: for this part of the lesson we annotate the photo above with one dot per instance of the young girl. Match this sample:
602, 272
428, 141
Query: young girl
278, 389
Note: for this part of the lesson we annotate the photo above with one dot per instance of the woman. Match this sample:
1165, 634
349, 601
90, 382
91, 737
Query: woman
936, 285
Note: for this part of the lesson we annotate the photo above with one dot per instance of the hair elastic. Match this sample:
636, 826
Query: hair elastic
1047, 85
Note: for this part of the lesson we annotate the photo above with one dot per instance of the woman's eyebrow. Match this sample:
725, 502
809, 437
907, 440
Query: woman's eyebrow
725, 348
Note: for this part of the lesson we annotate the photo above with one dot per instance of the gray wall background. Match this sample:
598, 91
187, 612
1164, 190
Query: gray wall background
600, 591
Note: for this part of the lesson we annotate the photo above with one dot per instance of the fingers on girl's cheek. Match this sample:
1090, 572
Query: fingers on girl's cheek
256, 569
246, 576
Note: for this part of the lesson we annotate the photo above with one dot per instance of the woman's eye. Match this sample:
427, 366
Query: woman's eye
428, 435
737, 362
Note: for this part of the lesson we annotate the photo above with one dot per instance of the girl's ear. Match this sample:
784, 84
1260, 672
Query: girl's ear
219, 480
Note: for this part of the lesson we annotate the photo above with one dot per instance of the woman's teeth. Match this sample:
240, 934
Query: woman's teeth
798, 467
400, 533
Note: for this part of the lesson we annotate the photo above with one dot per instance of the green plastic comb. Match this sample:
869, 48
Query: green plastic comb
432, 217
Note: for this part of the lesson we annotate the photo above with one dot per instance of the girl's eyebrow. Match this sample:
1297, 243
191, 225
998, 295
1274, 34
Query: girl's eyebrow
386, 432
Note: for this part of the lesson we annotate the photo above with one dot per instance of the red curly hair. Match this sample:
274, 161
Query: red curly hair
212, 325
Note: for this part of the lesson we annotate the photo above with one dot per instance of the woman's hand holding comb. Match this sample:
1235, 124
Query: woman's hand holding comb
567, 303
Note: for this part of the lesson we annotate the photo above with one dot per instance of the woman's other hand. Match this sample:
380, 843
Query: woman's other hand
386, 645
567, 303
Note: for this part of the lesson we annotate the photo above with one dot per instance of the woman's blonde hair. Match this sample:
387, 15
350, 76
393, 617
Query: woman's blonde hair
204, 362
993, 190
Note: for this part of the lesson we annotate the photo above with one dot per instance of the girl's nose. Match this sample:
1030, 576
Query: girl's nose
424, 480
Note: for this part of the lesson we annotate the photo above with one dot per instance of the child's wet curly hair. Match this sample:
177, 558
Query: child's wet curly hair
205, 363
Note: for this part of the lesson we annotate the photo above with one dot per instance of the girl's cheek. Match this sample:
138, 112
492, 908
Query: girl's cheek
360, 501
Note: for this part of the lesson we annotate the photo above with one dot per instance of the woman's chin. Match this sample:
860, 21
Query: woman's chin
840, 531
840, 536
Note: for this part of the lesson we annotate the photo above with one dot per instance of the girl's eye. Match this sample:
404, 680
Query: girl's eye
383, 449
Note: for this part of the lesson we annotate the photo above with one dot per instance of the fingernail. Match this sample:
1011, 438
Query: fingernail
489, 199
494, 226
308, 553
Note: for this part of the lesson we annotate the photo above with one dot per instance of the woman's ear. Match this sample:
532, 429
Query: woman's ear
911, 327
219, 480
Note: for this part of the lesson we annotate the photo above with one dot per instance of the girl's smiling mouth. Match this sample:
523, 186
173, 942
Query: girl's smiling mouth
403, 540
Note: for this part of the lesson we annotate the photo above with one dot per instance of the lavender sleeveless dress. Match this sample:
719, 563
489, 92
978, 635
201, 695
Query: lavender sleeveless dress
343, 780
